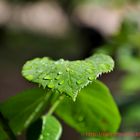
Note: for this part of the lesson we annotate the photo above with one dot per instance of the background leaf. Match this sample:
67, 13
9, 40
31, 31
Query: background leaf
130, 83
94, 110
67, 77
24, 108
131, 118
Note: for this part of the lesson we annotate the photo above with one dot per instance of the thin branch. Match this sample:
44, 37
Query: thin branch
54, 106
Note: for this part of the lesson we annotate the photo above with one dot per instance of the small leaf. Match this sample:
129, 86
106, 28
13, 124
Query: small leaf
24, 108
67, 77
94, 110
51, 129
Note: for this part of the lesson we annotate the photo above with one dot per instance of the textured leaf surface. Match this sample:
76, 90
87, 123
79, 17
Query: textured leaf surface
23, 108
93, 111
67, 77
51, 129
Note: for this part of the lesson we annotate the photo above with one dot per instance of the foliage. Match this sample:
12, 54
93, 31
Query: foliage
71, 90
70, 78
65, 76
23, 108
51, 129
94, 100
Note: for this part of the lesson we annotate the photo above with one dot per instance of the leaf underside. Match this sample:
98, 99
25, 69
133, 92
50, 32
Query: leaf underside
67, 77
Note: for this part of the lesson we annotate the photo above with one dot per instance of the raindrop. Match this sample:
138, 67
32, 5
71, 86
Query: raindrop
62, 82
67, 69
47, 77
58, 77
41, 137
90, 78
59, 73
79, 82
51, 85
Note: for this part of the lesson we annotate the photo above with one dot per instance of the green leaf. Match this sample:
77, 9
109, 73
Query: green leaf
51, 128
67, 77
94, 110
24, 108
3, 134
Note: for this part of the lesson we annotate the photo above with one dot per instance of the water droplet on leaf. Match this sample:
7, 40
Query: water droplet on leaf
58, 77
67, 69
41, 137
79, 82
47, 77
59, 73
51, 85
62, 82
90, 78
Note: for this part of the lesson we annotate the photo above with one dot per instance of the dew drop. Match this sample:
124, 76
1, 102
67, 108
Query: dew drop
58, 77
59, 73
90, 78
41, 137
62, 82
67, 69
47, 77
79, 82
51, 85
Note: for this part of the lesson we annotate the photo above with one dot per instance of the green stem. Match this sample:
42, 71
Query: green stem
7, 128
38, 109
54, 106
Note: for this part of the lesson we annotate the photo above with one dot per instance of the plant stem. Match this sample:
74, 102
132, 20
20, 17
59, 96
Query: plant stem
38, 109
54, 106
7, 128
